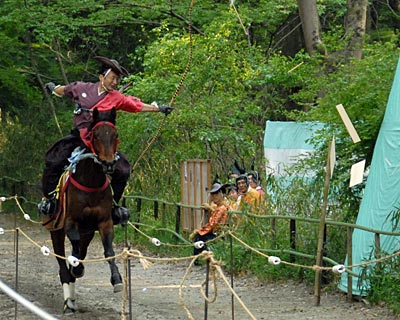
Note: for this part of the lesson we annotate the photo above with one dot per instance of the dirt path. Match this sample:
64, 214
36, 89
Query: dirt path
154, 291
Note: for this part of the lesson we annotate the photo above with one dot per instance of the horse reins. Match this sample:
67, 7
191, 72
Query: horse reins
176, 93
98, 124
107, 181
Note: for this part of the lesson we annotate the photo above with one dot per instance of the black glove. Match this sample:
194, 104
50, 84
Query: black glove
50, 87
165, 109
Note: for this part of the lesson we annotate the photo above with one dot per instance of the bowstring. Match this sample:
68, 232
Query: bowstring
176, 93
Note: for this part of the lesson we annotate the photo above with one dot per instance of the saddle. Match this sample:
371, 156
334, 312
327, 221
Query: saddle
56, 221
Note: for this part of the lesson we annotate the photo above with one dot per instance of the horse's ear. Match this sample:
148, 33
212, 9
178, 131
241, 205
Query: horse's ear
95, 115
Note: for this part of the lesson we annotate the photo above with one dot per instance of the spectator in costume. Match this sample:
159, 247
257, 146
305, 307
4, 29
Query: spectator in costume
248, 197
254, 182
233, 198
218, 217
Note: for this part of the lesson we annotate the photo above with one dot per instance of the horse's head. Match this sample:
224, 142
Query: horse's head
105, 139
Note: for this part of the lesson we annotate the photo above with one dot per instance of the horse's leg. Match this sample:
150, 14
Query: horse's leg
84, 242
74, 238
106, 231
67, 280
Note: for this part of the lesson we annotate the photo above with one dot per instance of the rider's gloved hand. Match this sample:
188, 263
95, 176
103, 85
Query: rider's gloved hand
50, 86
165, 109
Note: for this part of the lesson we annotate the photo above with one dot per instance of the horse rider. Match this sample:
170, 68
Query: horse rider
104, 96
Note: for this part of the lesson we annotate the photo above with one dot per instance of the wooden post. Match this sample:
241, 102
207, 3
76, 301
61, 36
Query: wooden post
163, 215
317, 285
273, 228
292, 239
232, 296
138, 209
206, 289
377, 249
16, 249
155, 210
178, 219
349, 263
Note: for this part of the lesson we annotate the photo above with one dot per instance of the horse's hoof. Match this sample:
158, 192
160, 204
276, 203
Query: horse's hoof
78, 271
116, 281
69, 307
118, 287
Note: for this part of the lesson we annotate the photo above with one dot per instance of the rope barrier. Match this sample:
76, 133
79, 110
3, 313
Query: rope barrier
146, 263
136, 254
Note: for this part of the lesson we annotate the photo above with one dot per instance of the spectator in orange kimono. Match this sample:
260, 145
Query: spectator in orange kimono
249, 197
218, 217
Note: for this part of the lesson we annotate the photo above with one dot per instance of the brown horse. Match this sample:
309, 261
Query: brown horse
88, 206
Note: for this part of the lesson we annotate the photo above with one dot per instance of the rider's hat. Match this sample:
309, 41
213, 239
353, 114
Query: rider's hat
114, 65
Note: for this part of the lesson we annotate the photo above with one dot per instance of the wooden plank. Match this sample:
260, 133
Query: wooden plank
348, 124
332, 158
195, 180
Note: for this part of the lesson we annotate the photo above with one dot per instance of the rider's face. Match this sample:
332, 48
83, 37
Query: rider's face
110, 81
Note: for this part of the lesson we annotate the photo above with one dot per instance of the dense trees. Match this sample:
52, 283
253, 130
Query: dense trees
252, 61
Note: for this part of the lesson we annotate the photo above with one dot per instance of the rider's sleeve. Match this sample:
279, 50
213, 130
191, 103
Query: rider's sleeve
120, 102
129, 103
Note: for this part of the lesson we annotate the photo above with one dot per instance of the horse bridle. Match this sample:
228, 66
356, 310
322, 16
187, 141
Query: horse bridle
108, 167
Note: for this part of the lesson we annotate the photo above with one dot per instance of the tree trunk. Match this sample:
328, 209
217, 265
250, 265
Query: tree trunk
355, 27
311, 26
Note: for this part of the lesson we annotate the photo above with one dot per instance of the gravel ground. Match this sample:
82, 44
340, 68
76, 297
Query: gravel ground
155, 292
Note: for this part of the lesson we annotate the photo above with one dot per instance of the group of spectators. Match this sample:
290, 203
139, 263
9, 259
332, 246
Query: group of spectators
245, 194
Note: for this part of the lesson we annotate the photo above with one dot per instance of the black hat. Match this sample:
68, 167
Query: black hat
236, 169
254, 175
114, 65
217, 187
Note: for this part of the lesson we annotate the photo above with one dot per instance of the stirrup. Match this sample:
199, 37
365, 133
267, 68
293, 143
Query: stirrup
120, 215
47, 207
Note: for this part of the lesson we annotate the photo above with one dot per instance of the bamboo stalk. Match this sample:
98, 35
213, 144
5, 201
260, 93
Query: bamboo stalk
317, 284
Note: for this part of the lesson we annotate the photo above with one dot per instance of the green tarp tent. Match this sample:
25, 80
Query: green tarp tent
382, 191
287, 142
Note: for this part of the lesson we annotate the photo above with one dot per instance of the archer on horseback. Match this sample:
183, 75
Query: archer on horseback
104, 96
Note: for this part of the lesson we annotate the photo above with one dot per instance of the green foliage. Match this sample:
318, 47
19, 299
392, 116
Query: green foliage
371, 76
238, 79
385, 284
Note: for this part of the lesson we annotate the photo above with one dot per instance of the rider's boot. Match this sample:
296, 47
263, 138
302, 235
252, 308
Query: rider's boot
48, 206
120, 215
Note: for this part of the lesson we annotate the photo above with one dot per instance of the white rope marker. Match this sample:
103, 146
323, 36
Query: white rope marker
73, 261
274, 260
45, 250
199, 244
156, 242
339, 268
